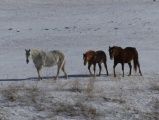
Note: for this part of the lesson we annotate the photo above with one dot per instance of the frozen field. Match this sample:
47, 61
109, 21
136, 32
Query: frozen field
74, 27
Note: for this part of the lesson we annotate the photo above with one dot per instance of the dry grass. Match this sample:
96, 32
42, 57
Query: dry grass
76, 110
76, 86
36, 97
154, 85
22, 94
88, 111
116, 100
10, 94
77, 100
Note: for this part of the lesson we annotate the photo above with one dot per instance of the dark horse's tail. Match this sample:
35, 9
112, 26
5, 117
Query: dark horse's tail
136, 59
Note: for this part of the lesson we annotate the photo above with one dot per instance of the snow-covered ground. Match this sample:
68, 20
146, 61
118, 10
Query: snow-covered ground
75, 26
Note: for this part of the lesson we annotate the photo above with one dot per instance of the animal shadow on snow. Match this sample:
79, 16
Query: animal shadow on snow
63, 77
46, 78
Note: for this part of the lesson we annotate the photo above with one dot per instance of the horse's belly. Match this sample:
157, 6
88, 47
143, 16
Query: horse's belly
49, 63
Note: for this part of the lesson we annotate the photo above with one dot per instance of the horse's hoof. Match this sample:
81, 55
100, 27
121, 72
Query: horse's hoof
56, 79
66, 77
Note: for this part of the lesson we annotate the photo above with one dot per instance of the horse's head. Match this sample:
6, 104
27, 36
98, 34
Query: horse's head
85, 58
27, 55
111, 52
89, 56
114, 51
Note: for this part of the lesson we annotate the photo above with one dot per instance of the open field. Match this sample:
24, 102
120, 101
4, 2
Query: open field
75, 26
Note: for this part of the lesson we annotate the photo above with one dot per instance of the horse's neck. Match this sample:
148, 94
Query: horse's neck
120, 52
34, 53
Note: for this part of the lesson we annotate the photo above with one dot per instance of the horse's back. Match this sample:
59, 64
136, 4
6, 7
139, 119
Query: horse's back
100, 52
130, 50
90, 52
58, 54
101, 55
52, 58
129, 53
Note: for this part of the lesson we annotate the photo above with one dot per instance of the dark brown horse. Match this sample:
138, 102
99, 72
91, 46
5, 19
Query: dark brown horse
124, 56
93, 57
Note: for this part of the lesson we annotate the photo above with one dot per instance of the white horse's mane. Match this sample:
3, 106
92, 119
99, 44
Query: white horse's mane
34, 52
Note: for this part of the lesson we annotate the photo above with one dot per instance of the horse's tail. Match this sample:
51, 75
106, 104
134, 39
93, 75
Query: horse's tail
136, 59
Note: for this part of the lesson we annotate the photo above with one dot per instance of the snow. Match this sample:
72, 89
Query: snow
74, 27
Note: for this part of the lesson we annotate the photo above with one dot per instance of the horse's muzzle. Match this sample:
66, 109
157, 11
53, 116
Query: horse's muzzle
27, 61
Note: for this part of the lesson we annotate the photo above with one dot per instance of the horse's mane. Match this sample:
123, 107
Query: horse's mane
90, 51
34, 52
117, 47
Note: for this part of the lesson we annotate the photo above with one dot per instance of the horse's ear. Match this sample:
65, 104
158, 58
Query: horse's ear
29, 50
109, 48
84, 56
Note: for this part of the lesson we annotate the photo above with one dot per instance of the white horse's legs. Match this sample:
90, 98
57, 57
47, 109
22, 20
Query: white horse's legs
38, 68
58, 71
63, 69
61, 66
39, 77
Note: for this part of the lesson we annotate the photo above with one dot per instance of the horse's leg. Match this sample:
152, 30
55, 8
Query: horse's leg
94, 70
100, 67
38, 71
105, 64
115, 64
122, 68
58, 70
130, 66
63, 69
139, 68
89, 66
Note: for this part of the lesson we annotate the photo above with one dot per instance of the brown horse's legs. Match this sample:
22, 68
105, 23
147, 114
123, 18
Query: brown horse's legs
123, 68
130, 66
89, 66
105, 64
139, 68
100, 67
115, 64
94, 69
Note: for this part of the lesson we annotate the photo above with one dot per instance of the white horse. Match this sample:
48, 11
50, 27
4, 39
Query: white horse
47, 59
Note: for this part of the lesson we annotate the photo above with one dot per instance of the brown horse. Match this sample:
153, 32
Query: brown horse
124, 56
93, 57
